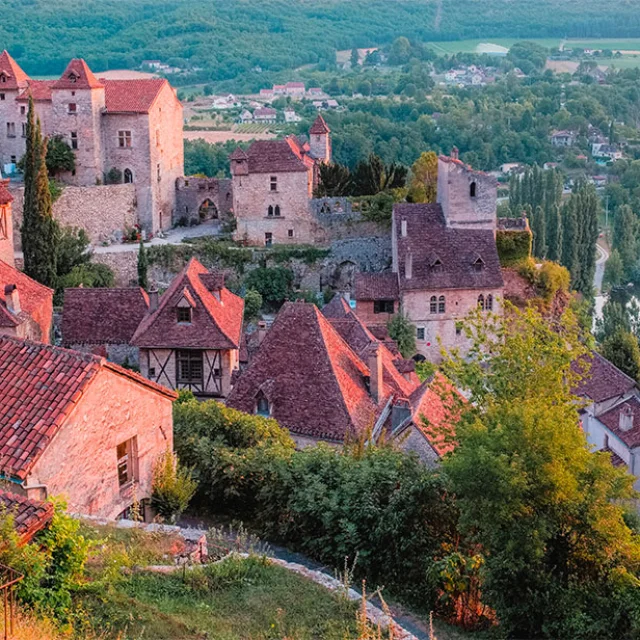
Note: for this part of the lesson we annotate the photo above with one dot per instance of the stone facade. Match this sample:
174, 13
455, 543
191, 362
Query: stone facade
84, 469
104, 212
122, 354
202, 199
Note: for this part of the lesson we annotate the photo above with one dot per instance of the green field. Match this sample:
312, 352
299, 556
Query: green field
252, 128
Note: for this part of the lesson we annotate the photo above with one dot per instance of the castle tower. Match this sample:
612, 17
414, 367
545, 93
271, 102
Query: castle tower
6, 224
78, 102
320, 140
468, 198
13, 80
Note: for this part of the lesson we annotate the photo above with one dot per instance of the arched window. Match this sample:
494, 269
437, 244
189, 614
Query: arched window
262, 406
481, 302
433, 305
270, 211
489, 303
472, 190
128, 176
441, 305
277, 210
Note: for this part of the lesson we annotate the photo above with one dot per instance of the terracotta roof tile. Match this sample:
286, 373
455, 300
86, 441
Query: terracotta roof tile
602, 380
132, 96
33, 295
611, 420
5, 194
616, 460
312, 378
30, 516
338, 307
77, 75
273, 156
319, 126
428, 238
376, 286
216, 324
39, 90
102, 316
16, 77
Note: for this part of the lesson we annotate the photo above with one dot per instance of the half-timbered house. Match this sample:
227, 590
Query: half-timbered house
190, 339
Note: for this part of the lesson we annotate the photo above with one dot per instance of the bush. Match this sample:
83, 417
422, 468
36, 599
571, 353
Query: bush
172, 487
551, 278
60, 156
252, 304
273, 284
513, 246
404, 333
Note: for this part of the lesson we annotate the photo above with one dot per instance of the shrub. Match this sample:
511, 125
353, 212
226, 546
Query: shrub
513, 246
552, 278
404, 333
172, 487
60, 156
113, 176
273, 284
252, 304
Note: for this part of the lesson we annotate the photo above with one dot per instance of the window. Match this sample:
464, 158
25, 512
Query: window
481, 302
73, 108
152, 372
11, 129
290, 233
24, 129
127, 453
472, 190
420, 333
23, 110
274, 183
74, 139
270, 210
73, 78
433, 305
128, 176
268, 239
478, 265
184, 314
190, 369
436, 265
158, 172
441, 305
124, 139
458, 328
3, 78
276, 211
262, 406
383, 306
13, 159
488, 305
1, 96
3, 224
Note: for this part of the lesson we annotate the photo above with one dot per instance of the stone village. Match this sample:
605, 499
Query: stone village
65, 407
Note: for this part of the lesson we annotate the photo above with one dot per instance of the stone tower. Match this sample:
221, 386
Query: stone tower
13, 80
320, 140
78, 102
468, 198
6, 224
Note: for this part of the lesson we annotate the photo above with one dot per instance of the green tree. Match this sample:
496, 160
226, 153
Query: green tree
252, 304
569, 232
40, 233
404, 333
541, 506
587, 206
335, 181
614, 318
143, 266
622, 349
274, 284
625, 237
538, 228
554, 233
355, 58
614, 270
423, 181
60, 157
172, 487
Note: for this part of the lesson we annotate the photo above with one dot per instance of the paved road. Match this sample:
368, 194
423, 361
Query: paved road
600, 299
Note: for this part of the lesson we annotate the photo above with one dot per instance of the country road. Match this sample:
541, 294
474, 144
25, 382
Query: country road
600, 299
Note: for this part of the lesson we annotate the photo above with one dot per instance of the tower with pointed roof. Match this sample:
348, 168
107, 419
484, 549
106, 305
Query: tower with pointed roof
13, 80
77, 104
320, 140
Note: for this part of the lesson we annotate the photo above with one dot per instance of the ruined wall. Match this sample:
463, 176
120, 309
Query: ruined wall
81, 461
192, 192
102, 211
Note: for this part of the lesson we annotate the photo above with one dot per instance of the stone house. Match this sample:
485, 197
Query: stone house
75, 425
444, 261
265, 115
329, 379
190, 338
563, 138
26, 306
103, 321
126, 130
273, 183
29, 516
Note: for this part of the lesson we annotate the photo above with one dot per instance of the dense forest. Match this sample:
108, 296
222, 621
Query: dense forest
224, 38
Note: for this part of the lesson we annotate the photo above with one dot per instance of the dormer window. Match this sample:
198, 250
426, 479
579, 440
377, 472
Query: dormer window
478, 264
3, 78
263, 407
436, 266
184, 315
73, 78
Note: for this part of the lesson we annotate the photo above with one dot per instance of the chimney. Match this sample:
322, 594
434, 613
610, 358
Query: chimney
454, 153
408, 266
403, 226
346, 295
374, 361
12, 298
626, 418
262, 331
153, 299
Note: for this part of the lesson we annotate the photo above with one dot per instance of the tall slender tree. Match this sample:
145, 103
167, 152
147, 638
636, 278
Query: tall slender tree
569, 247
538, 228
40, 233
143, 266
554, 233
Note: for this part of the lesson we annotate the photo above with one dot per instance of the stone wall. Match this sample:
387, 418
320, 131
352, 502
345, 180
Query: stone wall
124, 265
192, 192
102, 211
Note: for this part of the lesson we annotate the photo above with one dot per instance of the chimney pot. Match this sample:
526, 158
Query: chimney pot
454, 153
408, 267
12, 298
262, 331
404, 228
626, 418
153, 300
375, 374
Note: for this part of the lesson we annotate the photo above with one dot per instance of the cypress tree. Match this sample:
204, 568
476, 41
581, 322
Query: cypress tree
569, 248
538, 228
39, 230
143, 267
625, 231
586, 214
554, 233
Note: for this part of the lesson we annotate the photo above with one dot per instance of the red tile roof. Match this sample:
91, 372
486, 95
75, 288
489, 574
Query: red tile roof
429, 239
16, 77
273, 156
39, 90
319, 126
338, 307
41, 385
611, 420
5, 194
313, 380
29, 516
33, 295
132, 96
77, 75
377, 286
216, 323
102, 316
616, 460
601, 379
